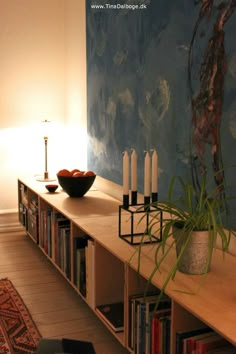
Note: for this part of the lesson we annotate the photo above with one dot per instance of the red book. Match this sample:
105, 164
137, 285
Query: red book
209, 343
155, 335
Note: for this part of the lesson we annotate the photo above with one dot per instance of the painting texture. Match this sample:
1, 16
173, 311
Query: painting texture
140, 94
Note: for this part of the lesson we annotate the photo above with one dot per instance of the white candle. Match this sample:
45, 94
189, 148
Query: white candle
154, 171
133, 170
147, 175
125, 173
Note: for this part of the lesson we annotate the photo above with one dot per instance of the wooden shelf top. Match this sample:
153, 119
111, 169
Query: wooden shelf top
97, 214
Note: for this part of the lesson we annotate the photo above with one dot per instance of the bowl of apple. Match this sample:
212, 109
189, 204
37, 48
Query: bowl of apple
76, 183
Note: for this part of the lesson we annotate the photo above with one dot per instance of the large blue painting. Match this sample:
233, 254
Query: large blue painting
138, 85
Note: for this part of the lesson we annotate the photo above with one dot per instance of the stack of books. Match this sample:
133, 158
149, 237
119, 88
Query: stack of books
201, 341
113, 315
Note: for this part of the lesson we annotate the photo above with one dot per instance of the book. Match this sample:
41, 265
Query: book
113, 315
211, 342
141, 328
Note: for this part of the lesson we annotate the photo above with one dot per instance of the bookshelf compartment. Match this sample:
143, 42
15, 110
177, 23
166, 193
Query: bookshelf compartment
109, 279
109, 289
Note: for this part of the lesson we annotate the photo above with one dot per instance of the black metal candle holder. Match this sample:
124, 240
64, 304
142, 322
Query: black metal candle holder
132, 217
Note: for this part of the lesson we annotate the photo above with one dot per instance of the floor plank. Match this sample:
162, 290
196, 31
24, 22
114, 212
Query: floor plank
56, 308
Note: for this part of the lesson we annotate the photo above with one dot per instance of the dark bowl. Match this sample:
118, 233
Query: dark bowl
76, 186
51, 187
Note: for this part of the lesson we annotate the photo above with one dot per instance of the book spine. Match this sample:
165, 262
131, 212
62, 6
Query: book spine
142, 328
132, 323
155, 339
148, 321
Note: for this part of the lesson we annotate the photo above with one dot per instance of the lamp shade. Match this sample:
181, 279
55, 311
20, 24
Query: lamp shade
45, 128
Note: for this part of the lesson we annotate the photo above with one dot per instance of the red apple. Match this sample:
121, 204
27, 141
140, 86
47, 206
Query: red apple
89, 173
64, 172
78, 174
74, 170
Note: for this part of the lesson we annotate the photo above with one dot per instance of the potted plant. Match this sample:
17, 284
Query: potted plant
192, 225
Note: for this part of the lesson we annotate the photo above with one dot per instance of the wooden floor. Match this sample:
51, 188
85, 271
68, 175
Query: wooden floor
56, 308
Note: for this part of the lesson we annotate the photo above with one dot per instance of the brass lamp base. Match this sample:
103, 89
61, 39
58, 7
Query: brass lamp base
45, 178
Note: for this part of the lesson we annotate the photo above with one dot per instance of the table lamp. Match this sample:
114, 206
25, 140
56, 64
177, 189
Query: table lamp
45, 128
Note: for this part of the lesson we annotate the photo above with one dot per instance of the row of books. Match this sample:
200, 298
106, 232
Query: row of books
149, 325
202, 341
55, 239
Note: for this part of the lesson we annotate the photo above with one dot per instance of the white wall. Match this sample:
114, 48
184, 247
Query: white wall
43, 75
76, 89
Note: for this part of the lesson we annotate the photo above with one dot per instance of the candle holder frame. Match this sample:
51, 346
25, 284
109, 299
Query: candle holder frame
144, 212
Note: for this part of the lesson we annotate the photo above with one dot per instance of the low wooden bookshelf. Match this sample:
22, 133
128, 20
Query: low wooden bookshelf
80, 237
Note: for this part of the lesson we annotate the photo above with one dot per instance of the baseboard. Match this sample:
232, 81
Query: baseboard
9, 221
